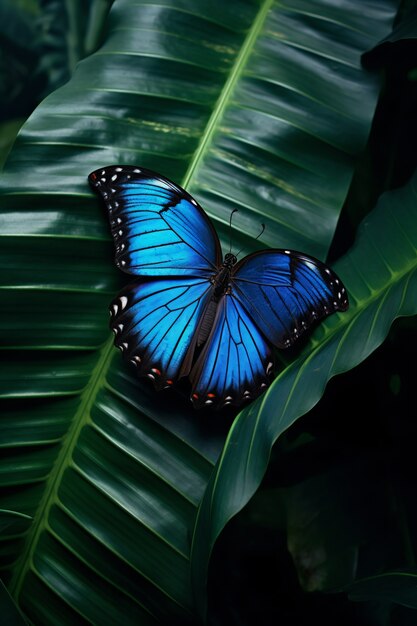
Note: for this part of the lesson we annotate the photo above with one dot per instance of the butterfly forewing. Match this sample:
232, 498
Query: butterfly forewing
158, 228
285, 292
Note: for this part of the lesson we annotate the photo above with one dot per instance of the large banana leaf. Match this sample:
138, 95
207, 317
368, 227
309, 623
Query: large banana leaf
256, 105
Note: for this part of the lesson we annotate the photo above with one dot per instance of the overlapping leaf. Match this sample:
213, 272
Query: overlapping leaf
380, 274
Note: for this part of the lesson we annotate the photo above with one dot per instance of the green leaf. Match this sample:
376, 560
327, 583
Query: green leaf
258, 105
398, 587
380, 275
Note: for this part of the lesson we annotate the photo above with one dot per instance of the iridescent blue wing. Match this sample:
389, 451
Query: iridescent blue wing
158, 228
284, 292
236, 361
156, 325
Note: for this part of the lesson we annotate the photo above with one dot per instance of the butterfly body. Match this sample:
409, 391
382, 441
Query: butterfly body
194, 312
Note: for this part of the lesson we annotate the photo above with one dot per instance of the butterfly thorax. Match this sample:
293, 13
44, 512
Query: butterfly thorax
229, 260
221, 280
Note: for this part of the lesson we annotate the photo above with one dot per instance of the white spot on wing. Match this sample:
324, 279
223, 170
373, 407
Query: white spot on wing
123, 302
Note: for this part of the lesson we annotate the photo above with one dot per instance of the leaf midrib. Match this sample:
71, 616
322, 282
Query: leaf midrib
80, 419
226, 92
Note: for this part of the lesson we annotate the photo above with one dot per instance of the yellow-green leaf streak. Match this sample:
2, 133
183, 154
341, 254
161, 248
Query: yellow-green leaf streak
81, 418
226, 92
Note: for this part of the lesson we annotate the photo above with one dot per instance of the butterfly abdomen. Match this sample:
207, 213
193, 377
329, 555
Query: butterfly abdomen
207, 322
221, 284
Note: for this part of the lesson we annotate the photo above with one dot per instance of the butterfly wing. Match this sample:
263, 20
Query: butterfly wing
158, 228
156, 325
284, 292
235, 362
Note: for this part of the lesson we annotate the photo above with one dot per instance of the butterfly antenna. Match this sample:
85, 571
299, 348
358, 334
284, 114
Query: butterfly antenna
230, 228
262, 230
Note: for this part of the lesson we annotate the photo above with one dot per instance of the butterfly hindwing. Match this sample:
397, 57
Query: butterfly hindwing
155, 324
236, 361
285, 292
158, 228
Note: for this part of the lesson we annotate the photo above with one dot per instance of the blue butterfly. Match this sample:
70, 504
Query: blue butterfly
194, 312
